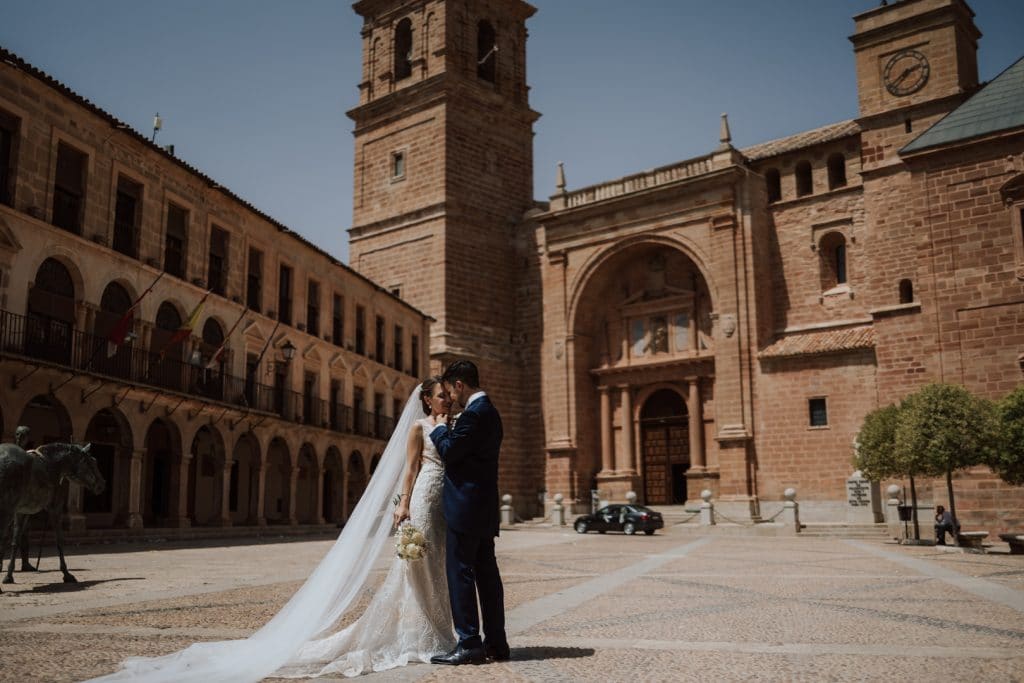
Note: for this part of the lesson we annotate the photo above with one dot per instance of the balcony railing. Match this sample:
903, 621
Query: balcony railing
57, 342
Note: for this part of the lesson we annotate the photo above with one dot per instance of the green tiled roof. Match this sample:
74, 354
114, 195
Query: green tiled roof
997, 107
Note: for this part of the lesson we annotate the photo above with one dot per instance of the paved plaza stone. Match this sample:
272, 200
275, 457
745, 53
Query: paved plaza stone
678, 606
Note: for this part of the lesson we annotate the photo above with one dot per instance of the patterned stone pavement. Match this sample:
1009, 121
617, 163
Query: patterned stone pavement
677, 606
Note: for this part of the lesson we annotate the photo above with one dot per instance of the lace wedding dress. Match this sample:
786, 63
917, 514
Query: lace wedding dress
409, 617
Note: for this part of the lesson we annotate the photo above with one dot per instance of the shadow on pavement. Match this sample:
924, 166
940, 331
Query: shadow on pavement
80, 586
528, 654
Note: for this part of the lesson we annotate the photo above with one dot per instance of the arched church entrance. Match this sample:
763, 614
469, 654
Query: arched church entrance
665, 448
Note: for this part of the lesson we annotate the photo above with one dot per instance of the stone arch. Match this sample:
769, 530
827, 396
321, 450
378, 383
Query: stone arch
773, 184
355, 481
112, 441
166, 368
51, 311
333, 495
277, 482
664, 445
804, 177
244, 480
486, 51
833, 261
598, 261
47, 419
110, 321
161, 474
402, 44
206, 476
836, 164
307, 479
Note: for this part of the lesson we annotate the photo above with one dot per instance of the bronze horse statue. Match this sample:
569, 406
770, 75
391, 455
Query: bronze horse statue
31, 481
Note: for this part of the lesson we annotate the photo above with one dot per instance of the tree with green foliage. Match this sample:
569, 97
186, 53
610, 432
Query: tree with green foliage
1008, 459
877, 458
944, 428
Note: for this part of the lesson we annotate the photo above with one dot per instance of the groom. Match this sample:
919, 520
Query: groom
469, 450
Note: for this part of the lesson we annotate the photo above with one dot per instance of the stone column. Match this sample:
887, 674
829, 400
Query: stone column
627, 462
607, 435
135, 470
225, 496
696, 426
318, 513
182, 519
293, 488
261, 489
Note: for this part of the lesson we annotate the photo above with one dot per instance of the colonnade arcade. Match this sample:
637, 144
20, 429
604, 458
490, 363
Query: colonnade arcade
165, 471
645, 376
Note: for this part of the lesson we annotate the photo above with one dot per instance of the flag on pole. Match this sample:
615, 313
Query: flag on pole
119, 332
215, 359
183, 332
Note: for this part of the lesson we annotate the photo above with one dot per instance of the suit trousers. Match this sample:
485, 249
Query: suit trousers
471, 568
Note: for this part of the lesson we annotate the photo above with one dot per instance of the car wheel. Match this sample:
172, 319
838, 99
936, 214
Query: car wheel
649, 532
581, 527
629, 528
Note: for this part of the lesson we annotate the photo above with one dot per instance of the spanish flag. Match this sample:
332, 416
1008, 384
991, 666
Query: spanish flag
183, 332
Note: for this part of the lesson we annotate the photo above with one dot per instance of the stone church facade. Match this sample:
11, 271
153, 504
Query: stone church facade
724, 322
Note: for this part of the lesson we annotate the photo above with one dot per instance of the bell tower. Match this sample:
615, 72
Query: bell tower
916, 61
443, 177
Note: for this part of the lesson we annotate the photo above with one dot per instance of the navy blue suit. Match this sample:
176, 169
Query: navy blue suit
469, 451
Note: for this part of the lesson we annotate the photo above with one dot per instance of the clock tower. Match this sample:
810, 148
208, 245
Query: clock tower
916, 61
443, 178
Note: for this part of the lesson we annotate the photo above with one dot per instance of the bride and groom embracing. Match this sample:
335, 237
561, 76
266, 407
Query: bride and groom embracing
445, 474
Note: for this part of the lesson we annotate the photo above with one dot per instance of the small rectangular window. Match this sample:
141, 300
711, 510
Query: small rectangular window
284, 295
397, 165
818, 410
360, 330
313, 308
399, 350
175, 241
9, 126
338, 321
379, 339
254, 283
126, 217
69, 189
217, 273
415, 349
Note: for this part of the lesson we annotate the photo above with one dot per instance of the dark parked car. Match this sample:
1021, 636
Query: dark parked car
628, 519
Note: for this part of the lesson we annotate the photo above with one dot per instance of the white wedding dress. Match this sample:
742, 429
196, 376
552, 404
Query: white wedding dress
409, 617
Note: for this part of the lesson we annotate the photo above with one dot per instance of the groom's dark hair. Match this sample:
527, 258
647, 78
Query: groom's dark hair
464, 371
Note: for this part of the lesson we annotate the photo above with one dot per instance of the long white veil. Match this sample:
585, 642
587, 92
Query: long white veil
316, 606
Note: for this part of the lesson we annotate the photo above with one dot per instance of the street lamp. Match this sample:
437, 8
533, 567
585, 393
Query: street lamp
288, 350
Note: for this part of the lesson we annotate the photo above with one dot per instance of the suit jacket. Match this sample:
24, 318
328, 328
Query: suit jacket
469, 451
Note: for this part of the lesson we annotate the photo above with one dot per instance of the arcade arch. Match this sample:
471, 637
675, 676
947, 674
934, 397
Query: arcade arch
277, 485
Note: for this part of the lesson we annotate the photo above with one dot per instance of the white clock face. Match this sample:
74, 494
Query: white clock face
906, 72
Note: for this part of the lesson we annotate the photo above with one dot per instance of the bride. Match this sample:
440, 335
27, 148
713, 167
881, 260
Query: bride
409, 617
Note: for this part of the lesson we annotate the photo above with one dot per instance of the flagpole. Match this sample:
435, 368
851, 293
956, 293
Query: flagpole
227, 338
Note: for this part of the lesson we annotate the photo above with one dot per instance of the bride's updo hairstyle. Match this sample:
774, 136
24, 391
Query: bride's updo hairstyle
427, 391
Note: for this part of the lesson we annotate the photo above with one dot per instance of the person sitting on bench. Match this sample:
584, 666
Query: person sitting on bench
944, 524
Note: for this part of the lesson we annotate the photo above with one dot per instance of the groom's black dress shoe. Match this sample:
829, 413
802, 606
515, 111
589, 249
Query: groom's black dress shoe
461, 655
498, 653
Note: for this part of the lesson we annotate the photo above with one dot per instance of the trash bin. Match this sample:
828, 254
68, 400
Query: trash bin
906, 512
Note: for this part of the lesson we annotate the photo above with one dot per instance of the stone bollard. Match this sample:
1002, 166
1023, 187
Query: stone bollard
631, 497
508, 515
892, 512
707, 509
557, 511
791, 511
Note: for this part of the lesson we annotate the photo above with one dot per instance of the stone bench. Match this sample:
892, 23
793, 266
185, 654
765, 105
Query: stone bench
971, 539
1016, 542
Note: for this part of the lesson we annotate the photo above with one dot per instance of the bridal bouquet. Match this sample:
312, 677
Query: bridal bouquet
410, 544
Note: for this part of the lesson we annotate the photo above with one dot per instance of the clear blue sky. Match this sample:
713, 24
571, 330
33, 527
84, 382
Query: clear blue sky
254, 92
